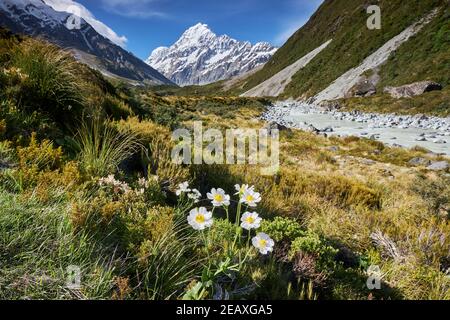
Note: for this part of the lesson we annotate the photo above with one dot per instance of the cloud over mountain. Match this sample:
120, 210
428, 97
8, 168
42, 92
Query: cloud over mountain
78, 9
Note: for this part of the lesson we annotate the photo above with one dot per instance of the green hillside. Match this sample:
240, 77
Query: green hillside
345, 22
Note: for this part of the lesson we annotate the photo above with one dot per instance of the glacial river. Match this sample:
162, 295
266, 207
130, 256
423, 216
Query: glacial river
389, 135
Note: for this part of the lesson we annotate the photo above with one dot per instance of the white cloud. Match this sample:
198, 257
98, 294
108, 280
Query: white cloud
73, 7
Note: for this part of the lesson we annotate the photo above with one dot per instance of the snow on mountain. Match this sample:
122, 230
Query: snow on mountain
37, 19
23, 10
73, 7
201, 57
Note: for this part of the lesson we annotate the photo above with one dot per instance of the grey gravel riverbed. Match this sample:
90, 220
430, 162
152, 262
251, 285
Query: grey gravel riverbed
432, 133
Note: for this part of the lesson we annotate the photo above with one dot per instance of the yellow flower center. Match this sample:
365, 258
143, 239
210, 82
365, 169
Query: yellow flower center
262, 242
250, 220
218, 197
200, 218
250, 198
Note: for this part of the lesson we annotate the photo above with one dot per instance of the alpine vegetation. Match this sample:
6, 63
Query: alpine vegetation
114, 189
262, 146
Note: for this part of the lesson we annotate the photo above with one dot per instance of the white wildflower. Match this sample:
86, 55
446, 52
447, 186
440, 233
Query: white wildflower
241, 189
219, 198
183, 188
250, 220
200, 219
117, 185
142, 182
263, 243
251, 198
195, 195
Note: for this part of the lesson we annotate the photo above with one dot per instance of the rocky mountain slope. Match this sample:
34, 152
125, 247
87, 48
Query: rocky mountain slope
415, 35
201, 57
35, 18
276, 84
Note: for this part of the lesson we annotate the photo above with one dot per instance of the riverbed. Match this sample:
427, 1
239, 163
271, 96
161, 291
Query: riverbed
432, 133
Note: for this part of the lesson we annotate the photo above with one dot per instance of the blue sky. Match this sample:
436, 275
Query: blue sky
148, 24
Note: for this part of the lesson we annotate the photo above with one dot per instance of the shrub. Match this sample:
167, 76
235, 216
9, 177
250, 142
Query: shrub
116, 108
282, 229
313, 244
41, 155
18, 125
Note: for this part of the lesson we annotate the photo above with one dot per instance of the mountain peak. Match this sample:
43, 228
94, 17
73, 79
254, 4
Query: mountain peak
196, 34
199, 27
202, 57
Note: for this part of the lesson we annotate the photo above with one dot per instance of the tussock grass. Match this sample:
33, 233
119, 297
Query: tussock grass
167, 264
52, 79
102, 148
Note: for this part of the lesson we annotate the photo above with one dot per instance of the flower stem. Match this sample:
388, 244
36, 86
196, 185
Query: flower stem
238, 213
238, 233
205, 239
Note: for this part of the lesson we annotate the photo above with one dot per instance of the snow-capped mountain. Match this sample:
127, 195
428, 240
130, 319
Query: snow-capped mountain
37, 19
201, 57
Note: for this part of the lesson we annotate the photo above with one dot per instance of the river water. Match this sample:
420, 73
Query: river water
405, 137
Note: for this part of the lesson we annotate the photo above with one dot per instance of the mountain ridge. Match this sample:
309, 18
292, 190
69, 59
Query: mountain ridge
37, 19
200, 57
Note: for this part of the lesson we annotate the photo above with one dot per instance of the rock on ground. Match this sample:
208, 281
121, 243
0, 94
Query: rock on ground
419, 162
413, 89
438, 166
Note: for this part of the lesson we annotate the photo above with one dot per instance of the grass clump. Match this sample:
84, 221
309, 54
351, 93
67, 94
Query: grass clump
49, 79
102, 148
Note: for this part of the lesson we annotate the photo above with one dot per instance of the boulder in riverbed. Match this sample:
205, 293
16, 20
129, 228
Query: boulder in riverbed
364, 88
413, 89
438, 166
330, 105
328, 129
419, 162
276, 126
312, 129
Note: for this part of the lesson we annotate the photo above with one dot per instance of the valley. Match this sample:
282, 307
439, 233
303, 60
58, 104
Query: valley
89, 182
